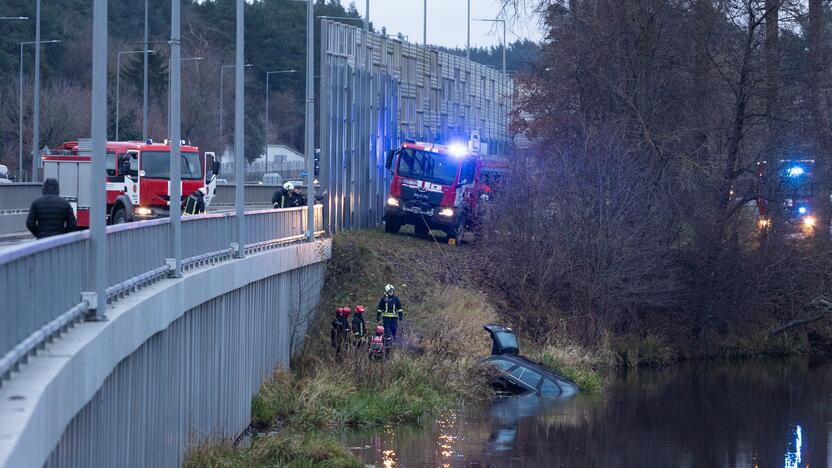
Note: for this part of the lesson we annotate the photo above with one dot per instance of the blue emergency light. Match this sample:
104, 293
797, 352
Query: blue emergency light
795, 171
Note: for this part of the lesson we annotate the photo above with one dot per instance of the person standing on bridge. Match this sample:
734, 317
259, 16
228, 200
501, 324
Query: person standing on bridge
195, 203
284, 197
390, 309
50, 215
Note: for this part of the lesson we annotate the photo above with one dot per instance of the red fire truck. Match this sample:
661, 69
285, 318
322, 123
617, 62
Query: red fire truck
138, 177
434, 187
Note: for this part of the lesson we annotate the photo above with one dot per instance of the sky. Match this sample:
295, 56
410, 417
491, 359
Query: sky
446, 21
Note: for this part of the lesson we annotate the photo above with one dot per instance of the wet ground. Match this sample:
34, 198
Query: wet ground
756, 413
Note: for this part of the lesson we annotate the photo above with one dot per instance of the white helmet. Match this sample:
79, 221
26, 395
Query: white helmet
389, 289
204, 190
288, 186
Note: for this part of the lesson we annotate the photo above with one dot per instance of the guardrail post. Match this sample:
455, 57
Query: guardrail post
175, 133
239, 132
98, 204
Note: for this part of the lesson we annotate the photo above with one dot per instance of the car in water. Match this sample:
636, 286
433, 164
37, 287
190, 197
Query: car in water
519, 375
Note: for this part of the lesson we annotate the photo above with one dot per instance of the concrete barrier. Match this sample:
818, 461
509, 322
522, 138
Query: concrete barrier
175, 363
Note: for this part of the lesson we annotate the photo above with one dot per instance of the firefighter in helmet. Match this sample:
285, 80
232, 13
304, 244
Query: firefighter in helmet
390, 310
339, 334
359, 327
284, 197
195, 203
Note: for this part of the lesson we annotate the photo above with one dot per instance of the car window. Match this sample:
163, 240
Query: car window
528, 377
111, 164
549, 389
503, 364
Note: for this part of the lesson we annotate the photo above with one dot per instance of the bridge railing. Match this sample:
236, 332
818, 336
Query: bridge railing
41, 282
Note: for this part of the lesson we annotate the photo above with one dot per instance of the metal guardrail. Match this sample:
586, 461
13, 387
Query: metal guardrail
41, 282
15, 198
18, 196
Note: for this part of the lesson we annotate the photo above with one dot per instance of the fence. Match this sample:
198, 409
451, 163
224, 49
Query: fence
379, 90
41, 280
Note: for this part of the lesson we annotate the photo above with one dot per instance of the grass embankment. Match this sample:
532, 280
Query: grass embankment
444, 314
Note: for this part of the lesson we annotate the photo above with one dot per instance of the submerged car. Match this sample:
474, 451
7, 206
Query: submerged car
519, 375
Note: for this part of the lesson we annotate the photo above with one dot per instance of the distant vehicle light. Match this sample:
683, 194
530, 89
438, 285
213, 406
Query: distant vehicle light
809, 221
458, 149
143, 211
763, 223
393, 201
795, 171
802, 210
446, 212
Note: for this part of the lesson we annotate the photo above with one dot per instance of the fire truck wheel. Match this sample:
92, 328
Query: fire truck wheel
391, 225
456, 233
120, 216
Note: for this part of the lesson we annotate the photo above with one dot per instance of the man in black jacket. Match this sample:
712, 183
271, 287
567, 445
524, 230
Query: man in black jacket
50, 215
195, 203
285, 197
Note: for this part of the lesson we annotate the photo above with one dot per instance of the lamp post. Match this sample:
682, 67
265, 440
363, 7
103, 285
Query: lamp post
20, 113
144, 75
309, 146
504, 36
222, 69
36, 98
267, 109
468, 43
118, 84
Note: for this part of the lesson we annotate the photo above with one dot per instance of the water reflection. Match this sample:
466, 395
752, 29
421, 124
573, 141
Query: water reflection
793, 458
739, 414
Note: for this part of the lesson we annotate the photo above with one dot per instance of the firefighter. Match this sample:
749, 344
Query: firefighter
359, 328
339, 335
390, 309
378, 348
285, 197
195, 203
50, 214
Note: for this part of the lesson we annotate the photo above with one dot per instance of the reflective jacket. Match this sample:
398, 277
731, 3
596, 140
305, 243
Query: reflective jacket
283, 198
389, 306
195, 203
358, 328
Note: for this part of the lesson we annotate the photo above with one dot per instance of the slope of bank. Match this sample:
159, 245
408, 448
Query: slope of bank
437, 366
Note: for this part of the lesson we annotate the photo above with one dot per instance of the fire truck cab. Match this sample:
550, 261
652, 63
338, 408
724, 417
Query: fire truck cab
433, 187
138, 177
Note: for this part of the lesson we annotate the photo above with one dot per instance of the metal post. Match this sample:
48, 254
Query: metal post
504, 48
239, 133
20, 120
468, 43
36, 125
425, 24
310, 109
144, 73
175, 136
98, 204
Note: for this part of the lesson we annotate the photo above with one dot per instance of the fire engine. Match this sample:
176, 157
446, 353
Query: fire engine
792, 182
433, 187
138, 177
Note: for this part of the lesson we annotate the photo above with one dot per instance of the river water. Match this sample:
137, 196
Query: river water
750, 413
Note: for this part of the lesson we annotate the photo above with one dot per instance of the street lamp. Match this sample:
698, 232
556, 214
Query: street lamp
504, 36
267, 108
118, 76
222, 69
20, 113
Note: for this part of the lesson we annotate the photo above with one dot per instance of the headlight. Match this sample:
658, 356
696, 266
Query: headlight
447, 212
143, 211
393, 201
809, 221
763, 223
